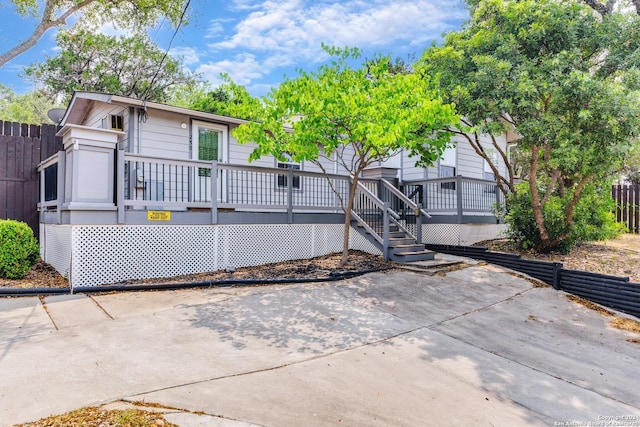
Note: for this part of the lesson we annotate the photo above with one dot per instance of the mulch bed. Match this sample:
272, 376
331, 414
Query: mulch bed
620, 257
43, 275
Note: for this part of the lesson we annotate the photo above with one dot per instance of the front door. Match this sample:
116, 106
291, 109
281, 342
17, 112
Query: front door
209, 145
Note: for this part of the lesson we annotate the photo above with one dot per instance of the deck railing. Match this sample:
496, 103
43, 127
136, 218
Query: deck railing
164, 183
457, 195
152, 182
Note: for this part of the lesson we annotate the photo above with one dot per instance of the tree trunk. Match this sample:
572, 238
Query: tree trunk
347, 222
551, 245
536, 204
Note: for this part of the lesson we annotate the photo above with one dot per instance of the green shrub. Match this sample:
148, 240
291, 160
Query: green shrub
592, 216
19, 250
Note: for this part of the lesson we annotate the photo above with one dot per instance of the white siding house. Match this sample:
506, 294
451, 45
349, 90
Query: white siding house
152, 190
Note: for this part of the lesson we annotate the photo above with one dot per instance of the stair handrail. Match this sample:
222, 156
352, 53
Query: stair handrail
387, 214
399, 194
367, 228
377, 200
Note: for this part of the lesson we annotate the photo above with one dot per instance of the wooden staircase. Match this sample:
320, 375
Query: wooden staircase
382, 225
402, 247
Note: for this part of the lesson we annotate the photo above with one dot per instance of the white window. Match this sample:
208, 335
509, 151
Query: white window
209, 143
447, 168
282, 180
488, 172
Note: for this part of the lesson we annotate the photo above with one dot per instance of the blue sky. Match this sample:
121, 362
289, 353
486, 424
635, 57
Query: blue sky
259, 42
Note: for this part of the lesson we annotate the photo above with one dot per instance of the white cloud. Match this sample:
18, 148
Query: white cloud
110, 30
216, 27
298, 27
189, 55
243, 69
280, 33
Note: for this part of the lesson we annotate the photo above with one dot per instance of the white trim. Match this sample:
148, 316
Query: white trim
224, 143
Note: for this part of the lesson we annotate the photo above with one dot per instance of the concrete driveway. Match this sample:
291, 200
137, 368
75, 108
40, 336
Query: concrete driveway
477, 347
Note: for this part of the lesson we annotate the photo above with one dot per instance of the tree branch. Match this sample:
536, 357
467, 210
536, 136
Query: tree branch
48, 21
602, 9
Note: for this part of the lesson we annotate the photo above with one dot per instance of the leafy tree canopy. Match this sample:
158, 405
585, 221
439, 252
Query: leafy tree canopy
558, 74
225, 99
359, 115
31, 107
128, 66
132, 14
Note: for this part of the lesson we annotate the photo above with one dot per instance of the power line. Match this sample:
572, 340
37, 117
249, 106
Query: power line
184, 11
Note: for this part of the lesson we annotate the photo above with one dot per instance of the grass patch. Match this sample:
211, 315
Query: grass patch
626, 324
590, 305
94, 416
617, 322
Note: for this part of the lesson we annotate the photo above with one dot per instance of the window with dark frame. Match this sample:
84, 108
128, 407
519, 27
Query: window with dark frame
116, 121
490, 176
447, 172
282, 180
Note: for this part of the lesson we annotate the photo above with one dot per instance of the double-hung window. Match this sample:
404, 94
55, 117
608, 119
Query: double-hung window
283, 180
488, 172
447, 168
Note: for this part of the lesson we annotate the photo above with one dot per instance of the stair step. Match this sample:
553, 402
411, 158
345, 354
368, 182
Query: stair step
398, 241
413, 247
423, 255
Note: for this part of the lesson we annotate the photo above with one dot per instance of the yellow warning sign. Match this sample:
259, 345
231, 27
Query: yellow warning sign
159, 215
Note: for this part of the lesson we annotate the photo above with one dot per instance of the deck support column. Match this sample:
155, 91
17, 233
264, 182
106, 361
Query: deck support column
120, 185
290, 196
419, 222
385, 231
214, 192
459, 197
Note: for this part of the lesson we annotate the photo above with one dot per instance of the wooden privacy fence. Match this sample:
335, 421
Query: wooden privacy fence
610, 291
22, 148
627, 199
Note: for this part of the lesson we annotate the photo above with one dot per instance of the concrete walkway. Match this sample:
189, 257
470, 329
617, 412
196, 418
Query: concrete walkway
478, 346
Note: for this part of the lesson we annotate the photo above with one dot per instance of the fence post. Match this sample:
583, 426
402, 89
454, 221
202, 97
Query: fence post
290, 196
385, 231
459, 197
120, 185
557, 273
419, 223
214, 192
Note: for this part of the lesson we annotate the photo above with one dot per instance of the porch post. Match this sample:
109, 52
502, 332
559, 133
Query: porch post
120, 185
290, 196
62, 163
459, 197
425, 188
419, 223
498, 207
214, 192
385, 231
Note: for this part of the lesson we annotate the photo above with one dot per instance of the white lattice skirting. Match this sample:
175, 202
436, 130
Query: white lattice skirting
96, 255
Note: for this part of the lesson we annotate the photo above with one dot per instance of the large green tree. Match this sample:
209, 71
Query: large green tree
126, 65
359, 115
30, 107
135, 14
224, 99
563, 77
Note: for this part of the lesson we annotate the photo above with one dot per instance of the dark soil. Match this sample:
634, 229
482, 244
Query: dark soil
617, 257
43, 275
